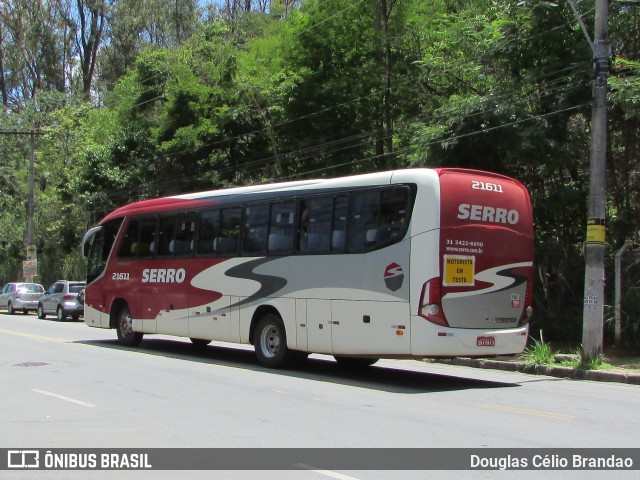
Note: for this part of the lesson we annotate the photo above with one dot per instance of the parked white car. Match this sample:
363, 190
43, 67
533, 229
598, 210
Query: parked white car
18, 296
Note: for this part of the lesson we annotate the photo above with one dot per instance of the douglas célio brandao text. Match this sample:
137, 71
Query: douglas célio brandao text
551, 462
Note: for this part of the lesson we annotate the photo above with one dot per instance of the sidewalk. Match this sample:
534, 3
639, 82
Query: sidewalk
561, 372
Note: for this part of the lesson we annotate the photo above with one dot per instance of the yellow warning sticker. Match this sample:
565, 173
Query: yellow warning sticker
596, 230
459, 270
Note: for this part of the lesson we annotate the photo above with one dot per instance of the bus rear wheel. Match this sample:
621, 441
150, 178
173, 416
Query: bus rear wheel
271, 342
124, 327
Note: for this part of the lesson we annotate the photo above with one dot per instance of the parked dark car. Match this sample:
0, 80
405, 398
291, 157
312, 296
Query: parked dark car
61, 300
20, 296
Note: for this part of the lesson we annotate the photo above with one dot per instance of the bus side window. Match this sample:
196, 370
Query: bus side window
315, 225
129, 243
365, 212
147, 236
208, 230
182, 243
166, 233
393, 214
339, 228
281, 227
256, 226
228, 240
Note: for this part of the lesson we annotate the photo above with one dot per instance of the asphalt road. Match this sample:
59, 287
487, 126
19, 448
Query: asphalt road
65, 385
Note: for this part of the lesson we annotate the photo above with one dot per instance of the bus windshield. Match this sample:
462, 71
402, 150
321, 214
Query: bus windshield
97, 245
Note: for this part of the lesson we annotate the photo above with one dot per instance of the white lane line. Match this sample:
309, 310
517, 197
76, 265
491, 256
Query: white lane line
326, 473
62, 397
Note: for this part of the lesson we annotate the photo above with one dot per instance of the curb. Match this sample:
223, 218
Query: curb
560, 372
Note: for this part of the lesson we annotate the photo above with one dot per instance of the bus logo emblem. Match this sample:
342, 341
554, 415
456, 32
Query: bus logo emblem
393, 277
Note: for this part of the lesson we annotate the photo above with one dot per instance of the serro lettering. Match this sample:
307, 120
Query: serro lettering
482, 213
163, 275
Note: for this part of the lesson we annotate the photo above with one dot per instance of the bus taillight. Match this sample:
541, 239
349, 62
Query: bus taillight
430, 307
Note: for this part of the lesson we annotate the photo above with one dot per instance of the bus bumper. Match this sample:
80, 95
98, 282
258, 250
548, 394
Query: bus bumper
431, 340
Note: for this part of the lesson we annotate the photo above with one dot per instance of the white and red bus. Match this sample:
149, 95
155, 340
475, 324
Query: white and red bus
399, 264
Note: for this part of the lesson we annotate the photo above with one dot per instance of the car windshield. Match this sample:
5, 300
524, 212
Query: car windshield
31, 288
76, 288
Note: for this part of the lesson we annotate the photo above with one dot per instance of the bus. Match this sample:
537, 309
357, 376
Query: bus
410, 263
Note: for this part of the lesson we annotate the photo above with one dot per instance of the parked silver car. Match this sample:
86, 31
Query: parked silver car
20, 296
61, 300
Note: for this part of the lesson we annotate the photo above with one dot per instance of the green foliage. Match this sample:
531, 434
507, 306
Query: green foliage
595, 363
538, 353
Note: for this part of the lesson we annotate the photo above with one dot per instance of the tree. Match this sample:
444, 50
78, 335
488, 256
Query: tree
91, 18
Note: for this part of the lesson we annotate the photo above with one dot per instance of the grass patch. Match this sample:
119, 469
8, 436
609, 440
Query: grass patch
539, 353
595, 363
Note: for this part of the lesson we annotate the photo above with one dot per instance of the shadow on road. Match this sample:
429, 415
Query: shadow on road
384, 378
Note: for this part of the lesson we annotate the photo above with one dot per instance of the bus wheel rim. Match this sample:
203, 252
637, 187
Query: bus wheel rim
270, 341
125, 325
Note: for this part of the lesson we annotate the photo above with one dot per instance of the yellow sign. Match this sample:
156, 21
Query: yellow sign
459, 270
595, 231
32, 253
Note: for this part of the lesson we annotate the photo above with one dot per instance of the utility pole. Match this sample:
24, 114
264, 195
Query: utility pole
31, 197
593, 312
31, 194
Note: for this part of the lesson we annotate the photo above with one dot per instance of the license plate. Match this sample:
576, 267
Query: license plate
486, 341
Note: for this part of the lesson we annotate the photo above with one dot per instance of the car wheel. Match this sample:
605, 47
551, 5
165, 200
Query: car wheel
60, 315
10, 309
41, 314
124, 327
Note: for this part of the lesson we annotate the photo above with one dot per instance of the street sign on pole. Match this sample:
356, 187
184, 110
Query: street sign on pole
29, 269
32, 253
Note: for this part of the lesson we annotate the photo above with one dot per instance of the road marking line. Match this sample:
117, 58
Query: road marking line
526, 411
39, 337
326, 473
62, 397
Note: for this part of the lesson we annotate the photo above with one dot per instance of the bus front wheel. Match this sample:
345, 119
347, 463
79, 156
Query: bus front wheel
271, 342
124, 327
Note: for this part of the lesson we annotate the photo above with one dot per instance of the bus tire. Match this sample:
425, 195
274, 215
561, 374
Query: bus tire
355, 363
126, 336
271, 342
